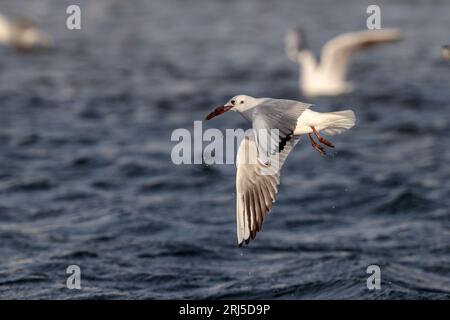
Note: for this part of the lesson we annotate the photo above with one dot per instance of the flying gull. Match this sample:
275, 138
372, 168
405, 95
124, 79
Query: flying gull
257, 181
445, 52
327, 77
22, 35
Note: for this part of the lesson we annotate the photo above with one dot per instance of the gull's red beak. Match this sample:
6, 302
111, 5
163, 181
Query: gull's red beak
218, 111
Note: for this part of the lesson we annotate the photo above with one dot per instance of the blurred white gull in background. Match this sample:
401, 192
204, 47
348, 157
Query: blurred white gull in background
22, 35
445, 52
258, 168
327, 76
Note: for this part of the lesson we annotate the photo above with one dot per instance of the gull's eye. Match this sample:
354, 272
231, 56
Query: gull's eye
242, 101
232, 101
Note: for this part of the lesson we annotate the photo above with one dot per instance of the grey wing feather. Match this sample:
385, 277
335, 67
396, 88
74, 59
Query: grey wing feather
275, 114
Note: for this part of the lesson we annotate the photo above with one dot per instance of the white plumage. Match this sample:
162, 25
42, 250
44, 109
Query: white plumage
258, 167
22, 35
445, 52
329, 123
327, 77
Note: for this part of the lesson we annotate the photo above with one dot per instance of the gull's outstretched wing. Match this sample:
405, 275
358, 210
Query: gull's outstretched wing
294, 43
336, 52
256, 186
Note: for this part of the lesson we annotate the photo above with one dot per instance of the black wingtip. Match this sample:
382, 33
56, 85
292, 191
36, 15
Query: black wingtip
246, 241
302, 41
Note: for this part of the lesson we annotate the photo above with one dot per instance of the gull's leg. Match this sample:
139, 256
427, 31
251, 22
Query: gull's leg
322, 139
316, 146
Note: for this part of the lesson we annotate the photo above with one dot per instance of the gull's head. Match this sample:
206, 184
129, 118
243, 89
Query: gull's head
237, 103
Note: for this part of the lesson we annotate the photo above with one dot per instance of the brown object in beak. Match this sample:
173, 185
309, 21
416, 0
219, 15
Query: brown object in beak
218, 111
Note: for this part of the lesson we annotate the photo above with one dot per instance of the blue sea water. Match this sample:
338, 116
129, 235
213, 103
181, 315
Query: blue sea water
86, 176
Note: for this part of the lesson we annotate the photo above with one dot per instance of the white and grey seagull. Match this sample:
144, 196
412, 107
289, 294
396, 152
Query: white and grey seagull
22, 35
257, 181
445, 52
327, 77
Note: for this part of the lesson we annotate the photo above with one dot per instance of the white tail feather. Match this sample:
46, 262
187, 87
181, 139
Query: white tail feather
338, 122
329, 123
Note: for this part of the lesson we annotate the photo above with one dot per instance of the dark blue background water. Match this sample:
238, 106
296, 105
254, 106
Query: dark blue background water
86, 176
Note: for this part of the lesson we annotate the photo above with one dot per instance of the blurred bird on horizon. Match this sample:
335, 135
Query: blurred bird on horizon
23, 35
445, 52
327, 76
